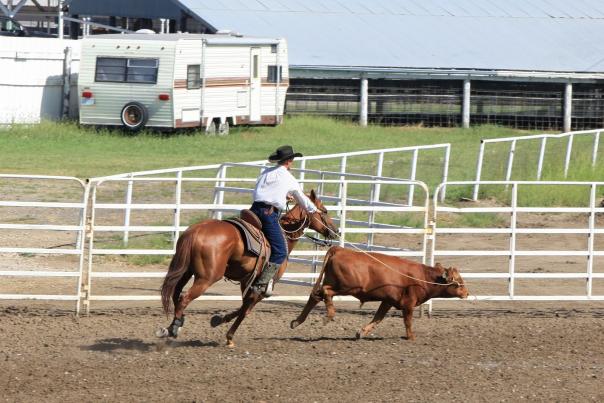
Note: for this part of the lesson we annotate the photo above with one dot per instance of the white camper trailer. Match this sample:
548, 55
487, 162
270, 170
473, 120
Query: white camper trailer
182, 80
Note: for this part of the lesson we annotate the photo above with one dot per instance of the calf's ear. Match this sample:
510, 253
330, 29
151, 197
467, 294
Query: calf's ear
445, 275
313, 195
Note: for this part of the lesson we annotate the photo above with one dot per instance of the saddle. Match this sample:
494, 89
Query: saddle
255, 242
251, 230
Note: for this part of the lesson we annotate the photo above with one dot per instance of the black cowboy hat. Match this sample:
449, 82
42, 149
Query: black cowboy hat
283, 153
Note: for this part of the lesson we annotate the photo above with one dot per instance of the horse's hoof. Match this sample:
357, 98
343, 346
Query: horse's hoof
294, 324
162, 333
216, 320
230, 344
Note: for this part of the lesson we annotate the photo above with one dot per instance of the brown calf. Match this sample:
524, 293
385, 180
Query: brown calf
397, 282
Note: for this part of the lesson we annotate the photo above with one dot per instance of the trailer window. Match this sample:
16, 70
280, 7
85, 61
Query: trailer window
193, 77
275, 74
116, 69
142, 70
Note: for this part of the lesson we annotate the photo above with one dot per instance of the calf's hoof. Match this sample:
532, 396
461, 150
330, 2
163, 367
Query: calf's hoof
359, 335
326, 320
216, 320
230, 344
294, 324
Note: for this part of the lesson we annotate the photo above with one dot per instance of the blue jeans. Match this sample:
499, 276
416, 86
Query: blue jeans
269, 216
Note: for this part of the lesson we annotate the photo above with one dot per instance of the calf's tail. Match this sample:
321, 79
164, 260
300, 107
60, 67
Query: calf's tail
328, 256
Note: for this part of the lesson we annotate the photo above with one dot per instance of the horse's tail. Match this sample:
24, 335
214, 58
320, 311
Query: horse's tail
330, 252
179, 267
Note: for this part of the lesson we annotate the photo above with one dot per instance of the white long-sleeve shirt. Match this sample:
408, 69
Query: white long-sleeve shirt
273, 186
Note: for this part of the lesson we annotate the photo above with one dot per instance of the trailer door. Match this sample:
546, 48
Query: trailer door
255, 85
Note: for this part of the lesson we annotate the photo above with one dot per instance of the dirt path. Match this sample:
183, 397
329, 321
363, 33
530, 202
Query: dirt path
476, 354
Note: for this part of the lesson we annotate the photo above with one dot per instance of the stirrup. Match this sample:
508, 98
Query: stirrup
268, 291
264, 290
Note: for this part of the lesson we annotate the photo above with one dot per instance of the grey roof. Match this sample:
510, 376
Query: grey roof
125, 8
527, 35
211, 39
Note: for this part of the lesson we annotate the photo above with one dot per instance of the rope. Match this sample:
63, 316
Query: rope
301, 227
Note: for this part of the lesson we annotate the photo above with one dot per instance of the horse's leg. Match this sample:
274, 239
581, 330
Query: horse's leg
377, 318
218, 320
248, 304
313, 300
199, 286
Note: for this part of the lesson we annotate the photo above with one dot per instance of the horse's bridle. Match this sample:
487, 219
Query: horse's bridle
306, 221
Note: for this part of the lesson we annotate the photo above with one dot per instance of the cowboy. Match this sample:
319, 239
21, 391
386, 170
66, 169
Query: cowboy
273, 187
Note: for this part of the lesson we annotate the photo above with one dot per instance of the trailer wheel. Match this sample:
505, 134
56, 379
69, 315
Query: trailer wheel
134, 116
223, 128
211, 128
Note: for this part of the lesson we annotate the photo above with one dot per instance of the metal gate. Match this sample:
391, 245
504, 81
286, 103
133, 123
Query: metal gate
40, 226
521, 230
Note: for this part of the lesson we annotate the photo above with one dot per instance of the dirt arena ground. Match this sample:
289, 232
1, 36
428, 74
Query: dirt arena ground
468, 351
465, 352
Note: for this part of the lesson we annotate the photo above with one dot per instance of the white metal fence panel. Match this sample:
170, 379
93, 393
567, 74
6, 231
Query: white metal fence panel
513, 141
348, 228
582, 240
19, 223
347, 170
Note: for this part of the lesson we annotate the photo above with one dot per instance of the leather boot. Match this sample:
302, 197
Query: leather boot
264, 283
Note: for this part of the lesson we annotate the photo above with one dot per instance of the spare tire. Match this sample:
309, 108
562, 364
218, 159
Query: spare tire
134, 116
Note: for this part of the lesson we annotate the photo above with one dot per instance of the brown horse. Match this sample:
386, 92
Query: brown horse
213, 249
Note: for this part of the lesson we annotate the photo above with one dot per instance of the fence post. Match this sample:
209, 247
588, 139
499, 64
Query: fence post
590, 239
413, 173
302, 176
541, 157
478, 169
177, 201
508, 174
443, 193
61, 22
66, 94
513, 220
88, 289
569, 150
465, 114
127, 212
343, 202
594, 155
342, 178
378, 172
568, 106
364, 109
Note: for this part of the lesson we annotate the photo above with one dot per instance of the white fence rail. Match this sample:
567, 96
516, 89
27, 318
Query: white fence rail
513, 230
78, 207
342, 207
346, 171
543, 139
346, 203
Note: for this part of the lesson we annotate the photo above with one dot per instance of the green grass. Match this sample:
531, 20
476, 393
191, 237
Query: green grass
67, 149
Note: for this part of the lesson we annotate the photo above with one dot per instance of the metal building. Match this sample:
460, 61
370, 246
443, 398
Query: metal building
524, 63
